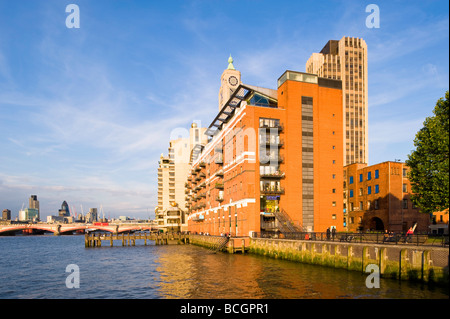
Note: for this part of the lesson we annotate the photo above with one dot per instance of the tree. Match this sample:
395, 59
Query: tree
429, 161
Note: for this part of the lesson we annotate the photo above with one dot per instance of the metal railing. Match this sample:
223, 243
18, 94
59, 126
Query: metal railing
374, 238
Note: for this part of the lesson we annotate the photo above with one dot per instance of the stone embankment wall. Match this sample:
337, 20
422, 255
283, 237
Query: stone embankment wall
424, 263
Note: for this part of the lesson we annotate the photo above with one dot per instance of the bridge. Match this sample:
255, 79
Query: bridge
58, 229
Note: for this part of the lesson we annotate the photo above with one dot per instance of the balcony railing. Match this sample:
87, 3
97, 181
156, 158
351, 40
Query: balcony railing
219, 185
219, 160
279, 127
275, 175
272, 191
273, 159
267, 142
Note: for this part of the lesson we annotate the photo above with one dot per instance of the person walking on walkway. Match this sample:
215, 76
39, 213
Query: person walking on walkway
409, 234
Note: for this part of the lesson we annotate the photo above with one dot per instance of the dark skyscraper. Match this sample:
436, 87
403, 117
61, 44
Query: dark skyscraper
64, 211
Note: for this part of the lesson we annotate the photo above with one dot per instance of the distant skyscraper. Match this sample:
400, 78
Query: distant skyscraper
34, 203
64, 211
6, 214
346, 60
92, 216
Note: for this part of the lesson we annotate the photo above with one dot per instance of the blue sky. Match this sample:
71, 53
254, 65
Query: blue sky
85, 113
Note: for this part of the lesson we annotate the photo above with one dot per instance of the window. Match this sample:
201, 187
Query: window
351, 193
377, 173
333, 204
259, 100
377, 189
405, 204
369, 176
267, 122
333, 190
369, 190
361, 206
405, 172
376, 204
368, 205
351, 180
360, 177
405, 188
360, 192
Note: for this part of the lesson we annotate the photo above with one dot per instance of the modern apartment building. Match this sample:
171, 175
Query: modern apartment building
172, 174
378, 197
273, 161
346, 60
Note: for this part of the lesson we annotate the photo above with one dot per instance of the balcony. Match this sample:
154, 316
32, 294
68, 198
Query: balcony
219, 173
202, 164
219, 199
271, 159
218, 185
272, 191
275, 175
269, 142
219, 159
201, 205
279, 127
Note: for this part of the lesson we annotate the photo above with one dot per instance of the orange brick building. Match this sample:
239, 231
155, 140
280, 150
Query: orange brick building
274, 159
378, 197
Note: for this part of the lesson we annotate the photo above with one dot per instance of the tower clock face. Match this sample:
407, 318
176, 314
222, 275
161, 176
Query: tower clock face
233, 80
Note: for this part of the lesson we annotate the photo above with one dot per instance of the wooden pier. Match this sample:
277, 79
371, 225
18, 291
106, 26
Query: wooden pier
129, 239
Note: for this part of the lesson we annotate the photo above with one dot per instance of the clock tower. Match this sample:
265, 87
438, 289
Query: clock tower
229, 81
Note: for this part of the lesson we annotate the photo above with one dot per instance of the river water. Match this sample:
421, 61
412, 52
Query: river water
34, 267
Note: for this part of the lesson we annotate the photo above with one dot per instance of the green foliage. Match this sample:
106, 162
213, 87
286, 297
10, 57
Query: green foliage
429, 161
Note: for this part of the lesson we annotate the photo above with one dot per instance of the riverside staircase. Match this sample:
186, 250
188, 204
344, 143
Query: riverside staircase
222, 244
285, 223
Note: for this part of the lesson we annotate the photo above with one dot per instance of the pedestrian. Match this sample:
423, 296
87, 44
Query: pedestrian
409, 234
333, 233
328, 233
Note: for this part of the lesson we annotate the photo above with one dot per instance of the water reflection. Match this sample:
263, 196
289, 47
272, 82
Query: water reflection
194, 272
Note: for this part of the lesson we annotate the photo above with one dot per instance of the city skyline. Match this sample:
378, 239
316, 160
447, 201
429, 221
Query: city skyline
87, 112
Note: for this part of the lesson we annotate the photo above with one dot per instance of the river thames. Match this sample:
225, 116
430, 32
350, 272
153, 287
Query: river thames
34, 267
